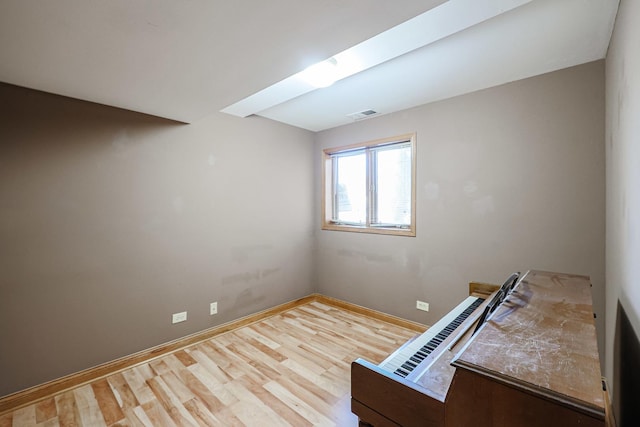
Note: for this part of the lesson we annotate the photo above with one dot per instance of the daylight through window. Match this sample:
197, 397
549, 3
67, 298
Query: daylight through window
370, 187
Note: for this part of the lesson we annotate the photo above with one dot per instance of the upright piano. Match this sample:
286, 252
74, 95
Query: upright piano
523, 355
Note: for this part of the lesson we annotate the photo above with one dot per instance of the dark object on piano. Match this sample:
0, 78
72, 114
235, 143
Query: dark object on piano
500, 296
534, 363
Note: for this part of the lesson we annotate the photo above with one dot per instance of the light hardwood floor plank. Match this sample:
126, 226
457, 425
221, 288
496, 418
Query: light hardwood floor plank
170, 402
137, 417
156, 414
46, 410
67, 409
283, 411
88, 407
109, 406
138, 386
25, 417
200, 413
122, 392
297, 404
290, 369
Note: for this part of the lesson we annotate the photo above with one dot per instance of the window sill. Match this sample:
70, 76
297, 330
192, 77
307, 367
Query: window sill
393, 231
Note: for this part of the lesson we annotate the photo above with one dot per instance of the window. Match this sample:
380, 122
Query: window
370, 187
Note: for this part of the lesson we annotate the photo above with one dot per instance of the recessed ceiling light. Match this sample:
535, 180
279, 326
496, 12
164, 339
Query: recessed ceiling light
322, 74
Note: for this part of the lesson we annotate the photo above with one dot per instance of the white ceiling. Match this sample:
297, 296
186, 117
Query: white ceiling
187, 59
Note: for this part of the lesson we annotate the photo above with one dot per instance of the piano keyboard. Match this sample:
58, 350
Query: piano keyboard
408, 357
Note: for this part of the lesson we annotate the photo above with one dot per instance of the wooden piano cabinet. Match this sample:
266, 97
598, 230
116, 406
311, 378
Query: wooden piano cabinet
535, 362
383, 399
478, 401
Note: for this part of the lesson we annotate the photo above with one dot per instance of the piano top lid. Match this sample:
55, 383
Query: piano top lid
542, 339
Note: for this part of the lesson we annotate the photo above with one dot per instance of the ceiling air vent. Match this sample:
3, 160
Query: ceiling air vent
362, 114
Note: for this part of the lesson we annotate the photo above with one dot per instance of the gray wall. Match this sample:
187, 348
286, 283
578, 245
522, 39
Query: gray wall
110, 221
623, 206
509, 178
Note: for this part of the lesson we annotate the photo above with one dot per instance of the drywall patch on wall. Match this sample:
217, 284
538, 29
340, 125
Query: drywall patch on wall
442, 272
249, 276
119, 142
431, 191
243, 254
178, 205
470, 188
622, 90
247, 300
464, 154
152, 223
369, 257
483, 206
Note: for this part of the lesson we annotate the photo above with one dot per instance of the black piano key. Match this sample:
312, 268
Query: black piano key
401, 372
415, 359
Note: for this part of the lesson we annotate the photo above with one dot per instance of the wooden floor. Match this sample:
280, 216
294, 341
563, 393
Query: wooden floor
292, 369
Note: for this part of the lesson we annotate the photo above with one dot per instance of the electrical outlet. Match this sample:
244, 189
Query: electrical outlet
179, 317
421, 305
213, 308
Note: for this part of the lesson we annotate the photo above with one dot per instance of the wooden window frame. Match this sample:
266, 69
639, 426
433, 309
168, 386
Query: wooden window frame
328, 196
